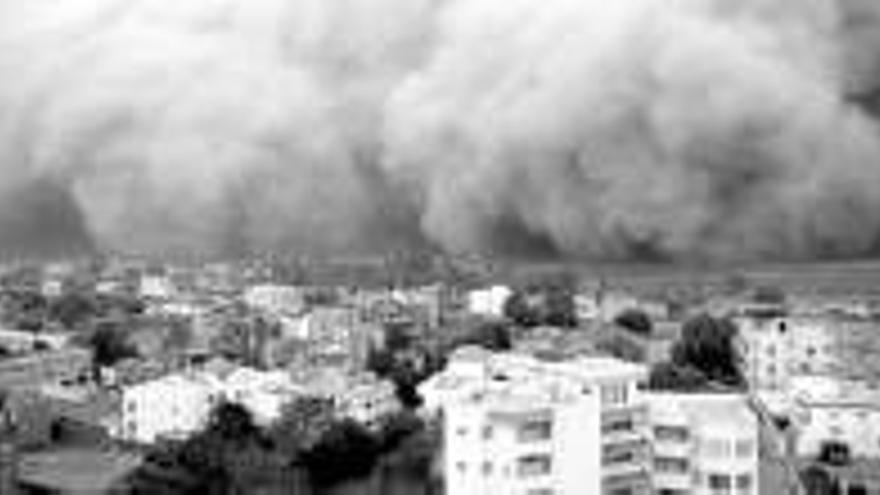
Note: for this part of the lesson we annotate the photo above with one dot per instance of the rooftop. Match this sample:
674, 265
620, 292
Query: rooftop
76, 470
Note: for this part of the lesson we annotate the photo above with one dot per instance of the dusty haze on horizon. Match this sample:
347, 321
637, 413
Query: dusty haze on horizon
646, 129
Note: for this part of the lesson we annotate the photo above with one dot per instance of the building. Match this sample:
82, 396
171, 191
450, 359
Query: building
338, 336
581, 411
776, 350
64, 366
489, 301
703, 444
264, 394
835, 410
361, 396
171, 407
275, 299
23, 341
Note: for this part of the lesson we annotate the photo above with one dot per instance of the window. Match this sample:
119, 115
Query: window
461, 431
487, 432
743, 484
487, 468
461, 466
615, 394
744, 448
617, 456
719, 484
536, 430
540, 491
671, 433
618, 425
670, 465
533, 465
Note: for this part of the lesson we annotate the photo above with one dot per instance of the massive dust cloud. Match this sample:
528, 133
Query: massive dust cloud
668, 129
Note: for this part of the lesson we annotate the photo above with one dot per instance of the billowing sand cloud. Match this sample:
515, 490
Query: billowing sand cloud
675, 129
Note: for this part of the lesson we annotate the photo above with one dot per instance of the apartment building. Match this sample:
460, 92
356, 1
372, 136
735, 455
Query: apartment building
832, 410
776, 350
703, 444
587, 413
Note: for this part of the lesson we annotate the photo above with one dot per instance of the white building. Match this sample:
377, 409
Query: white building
177, 405
275, 299
777, 350
489, 301
174, 406
835, 410
156, 287
517, 425
264, 394
703, 444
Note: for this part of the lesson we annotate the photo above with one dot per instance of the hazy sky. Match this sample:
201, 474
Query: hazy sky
682, 129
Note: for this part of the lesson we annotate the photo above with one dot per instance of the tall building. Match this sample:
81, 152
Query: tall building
516, 425
703, 444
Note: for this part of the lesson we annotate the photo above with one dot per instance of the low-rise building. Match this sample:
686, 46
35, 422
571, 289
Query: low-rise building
776, 350
63, 366
703, 444
831, 410
489, 301
171, 407
360, 396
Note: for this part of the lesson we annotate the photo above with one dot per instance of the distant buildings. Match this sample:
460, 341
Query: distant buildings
175, 406
703, 444
275, 299
64, 366
514, 424
490, 301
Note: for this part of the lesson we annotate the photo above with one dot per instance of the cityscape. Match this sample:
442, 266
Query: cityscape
437, 375
439, 247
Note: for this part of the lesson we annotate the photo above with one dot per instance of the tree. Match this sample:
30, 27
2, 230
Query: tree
635, 320
672, 377
492, 335
347, 451
818, 481
707, 344
302, 423
622, 348
518, 310
109, 344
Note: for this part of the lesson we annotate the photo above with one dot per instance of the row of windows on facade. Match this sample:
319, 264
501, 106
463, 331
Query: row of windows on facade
527, 466
530, 431
542, 430
710, 447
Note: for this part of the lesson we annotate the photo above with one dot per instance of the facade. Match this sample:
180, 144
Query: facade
263, 394
275, 299
171, 407
703, 444
777, 350
489, 301
828, 409
362, 397
593, 404
338, 336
